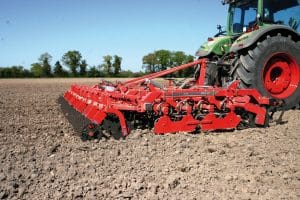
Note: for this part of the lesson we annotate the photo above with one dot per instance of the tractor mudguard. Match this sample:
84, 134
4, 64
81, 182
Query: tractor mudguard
248, 39
217, 45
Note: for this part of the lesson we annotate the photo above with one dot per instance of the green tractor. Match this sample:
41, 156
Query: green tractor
260, 47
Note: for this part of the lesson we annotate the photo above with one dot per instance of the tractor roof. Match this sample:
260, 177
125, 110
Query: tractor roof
235, 1
240, 1
279, 3
229, 1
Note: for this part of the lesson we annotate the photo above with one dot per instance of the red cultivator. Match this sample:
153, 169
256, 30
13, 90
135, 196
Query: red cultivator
176, 107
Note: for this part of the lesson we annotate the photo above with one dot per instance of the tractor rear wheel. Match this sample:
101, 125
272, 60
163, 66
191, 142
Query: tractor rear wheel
211, 74
272, 67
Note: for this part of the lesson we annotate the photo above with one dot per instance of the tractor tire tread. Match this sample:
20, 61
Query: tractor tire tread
250, 64
244, 75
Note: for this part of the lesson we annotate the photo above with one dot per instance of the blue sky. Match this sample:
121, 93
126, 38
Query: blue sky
128, 28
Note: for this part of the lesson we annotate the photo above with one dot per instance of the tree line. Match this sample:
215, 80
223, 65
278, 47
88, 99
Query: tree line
72, 64
165, 59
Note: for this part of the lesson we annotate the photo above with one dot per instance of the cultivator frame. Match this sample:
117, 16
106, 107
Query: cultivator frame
175, 107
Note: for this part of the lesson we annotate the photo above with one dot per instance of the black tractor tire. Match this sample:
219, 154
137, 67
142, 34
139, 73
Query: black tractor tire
211, 74
272, 67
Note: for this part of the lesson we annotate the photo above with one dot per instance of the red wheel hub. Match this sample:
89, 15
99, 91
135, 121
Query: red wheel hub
281, 75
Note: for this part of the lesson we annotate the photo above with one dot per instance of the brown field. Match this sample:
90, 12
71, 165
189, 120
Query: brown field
42, 158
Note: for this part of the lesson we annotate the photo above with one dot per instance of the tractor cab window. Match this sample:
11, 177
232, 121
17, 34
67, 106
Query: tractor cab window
244, 16
285, 12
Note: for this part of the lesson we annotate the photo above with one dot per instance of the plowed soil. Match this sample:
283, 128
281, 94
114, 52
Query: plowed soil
42, 158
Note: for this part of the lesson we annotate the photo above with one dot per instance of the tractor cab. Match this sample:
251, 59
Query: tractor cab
282, 12
242, 16
248, 15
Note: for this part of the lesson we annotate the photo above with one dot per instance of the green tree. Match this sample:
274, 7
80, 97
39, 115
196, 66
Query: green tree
189, 71
107, 65
72, 60
117, 65
125, 74
13, 72
45, 60
163, 58
178, 58
157, 61
16, 71
149, 63
83, 66
26, 73
93, 72
36, 70
3, 72
59, 70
